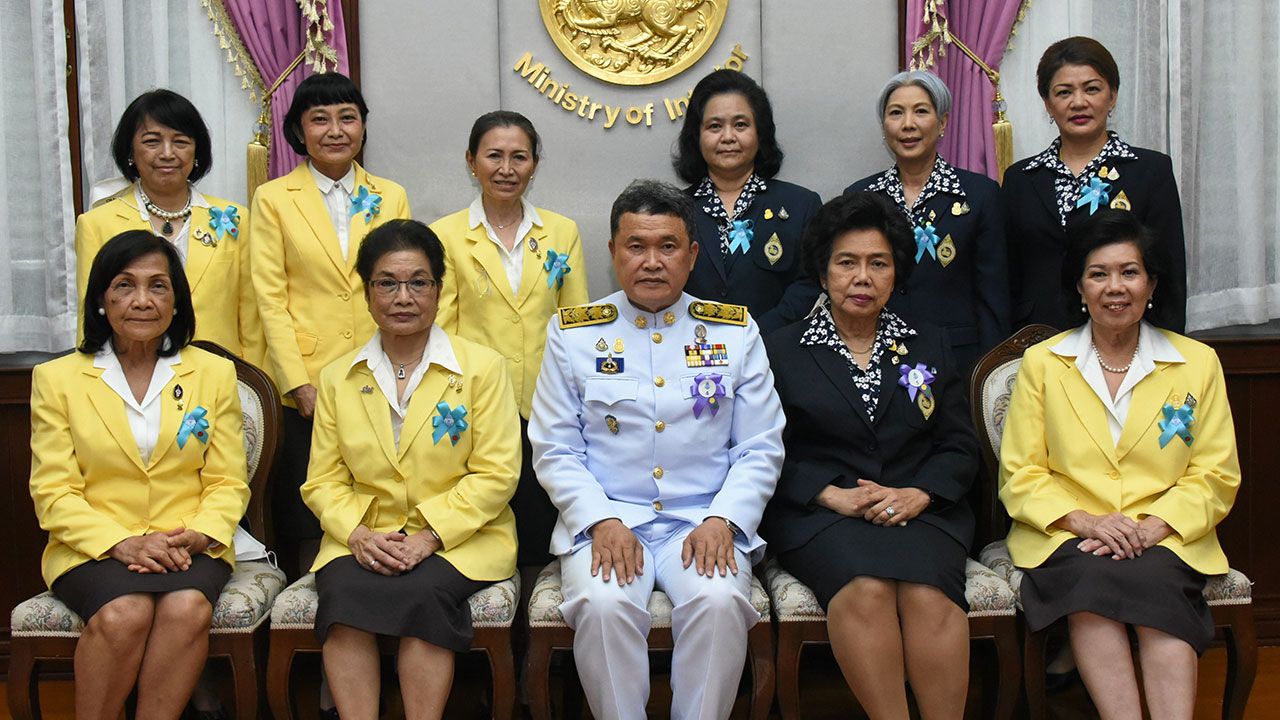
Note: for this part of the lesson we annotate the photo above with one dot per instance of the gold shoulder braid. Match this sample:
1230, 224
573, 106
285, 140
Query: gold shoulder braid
719, 312
583, 315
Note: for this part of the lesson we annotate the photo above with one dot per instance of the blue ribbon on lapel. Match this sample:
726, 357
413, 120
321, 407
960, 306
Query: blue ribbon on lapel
194, 423
366, 202
224, 222
557, 266
741, 235
926, 240
1094, 194
1177, 422
451, 422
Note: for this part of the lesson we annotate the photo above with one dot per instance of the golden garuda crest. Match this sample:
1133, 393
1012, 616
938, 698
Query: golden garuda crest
633, 42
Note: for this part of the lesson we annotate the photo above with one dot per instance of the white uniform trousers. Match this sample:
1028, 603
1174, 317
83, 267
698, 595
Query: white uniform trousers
709, 624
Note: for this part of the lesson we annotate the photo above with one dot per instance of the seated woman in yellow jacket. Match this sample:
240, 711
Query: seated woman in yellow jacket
414, 459
1118, 462
162, 144
307, 227
138, 475
512, 265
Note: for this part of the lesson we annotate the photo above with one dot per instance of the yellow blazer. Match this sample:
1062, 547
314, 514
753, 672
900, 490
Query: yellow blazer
213, 271
358, 476
90, 486
476, 301
1058, 455
311, 300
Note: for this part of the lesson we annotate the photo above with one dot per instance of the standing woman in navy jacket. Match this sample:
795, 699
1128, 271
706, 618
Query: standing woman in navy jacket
1087, 168
751, 222
960, 279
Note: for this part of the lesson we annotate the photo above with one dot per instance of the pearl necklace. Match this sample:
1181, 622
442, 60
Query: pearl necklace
1116, 370
166, 215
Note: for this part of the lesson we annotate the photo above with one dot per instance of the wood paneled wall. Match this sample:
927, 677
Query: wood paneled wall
1252, 367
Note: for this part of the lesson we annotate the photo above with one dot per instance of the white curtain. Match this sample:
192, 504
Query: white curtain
37, 307
1196, 82
127, 47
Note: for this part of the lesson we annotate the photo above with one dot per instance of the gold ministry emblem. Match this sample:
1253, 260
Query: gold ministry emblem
633, 42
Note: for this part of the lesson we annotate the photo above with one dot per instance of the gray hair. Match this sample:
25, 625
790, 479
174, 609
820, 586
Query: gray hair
932, 85
653, 197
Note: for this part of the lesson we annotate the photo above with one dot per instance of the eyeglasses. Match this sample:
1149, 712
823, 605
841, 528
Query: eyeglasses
387, 287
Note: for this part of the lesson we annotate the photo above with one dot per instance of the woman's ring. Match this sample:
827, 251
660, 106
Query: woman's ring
890, 511
373, 563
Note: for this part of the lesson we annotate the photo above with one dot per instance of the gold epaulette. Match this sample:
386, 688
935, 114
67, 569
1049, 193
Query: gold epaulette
719, 312
583, 315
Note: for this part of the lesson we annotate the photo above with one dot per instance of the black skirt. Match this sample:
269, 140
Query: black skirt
535, 514
429, 602
86, 588
1156, 590
852, 547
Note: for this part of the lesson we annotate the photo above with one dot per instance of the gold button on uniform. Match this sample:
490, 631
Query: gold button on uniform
659, 381
657, 505
657, 473
345, 295
1113, 475
346, 333
657, 337
659, 426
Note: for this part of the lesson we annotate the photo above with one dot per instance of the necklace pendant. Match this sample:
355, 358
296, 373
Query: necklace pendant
167, 228
400, 372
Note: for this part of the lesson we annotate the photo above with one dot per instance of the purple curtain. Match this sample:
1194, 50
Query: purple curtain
984, 26
274, 32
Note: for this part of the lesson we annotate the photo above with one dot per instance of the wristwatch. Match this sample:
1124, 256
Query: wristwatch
732, 528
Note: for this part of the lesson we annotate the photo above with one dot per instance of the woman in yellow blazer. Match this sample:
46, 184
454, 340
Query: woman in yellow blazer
1117, 463
138, 475
162, 144
512, 265
414, 459
307, 227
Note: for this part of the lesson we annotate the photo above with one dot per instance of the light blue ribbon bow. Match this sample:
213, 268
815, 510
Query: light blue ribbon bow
449, 422
224, 222
1176, 422
366, 202
557, 266
741, 235
926, 240
194, 423
1096, 193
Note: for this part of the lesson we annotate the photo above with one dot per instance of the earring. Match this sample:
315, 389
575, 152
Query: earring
1084, 308
1111, 112
1050, 119
195, 164
102, 311
473, 173
1150, 304
130, 162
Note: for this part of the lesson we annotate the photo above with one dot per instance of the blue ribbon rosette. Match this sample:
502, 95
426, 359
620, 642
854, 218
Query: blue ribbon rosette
451, 422
926, 240
1177, 423
365, 202
557, 266
1094, 194
915, 379
194, 423
741, 235
224, 221
707, 391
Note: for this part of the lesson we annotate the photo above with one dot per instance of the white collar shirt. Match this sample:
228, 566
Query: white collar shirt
1153, 347
179, 239
144, 417
513, 259
438, 351
337, 196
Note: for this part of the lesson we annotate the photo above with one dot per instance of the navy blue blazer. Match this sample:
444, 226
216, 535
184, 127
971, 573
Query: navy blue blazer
830, 439
1038, 242
758, 280
969, 296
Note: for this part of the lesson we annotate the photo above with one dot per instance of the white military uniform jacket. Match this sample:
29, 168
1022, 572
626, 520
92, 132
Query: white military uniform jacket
642, 415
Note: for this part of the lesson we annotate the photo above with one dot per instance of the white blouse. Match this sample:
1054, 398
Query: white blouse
337, 196
179, 238
438, 351
513, 259
144, 417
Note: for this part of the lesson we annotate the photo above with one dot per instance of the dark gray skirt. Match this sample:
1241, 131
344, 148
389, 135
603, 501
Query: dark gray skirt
429, 602
86, 588
1156, 590
852, 547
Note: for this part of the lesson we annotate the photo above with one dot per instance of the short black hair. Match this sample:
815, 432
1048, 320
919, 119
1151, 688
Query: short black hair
1109, 227
859, 211
687, 160
653, 197
393, 236
167, 108
317, 90
113, 257
1078, 50
503, 118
